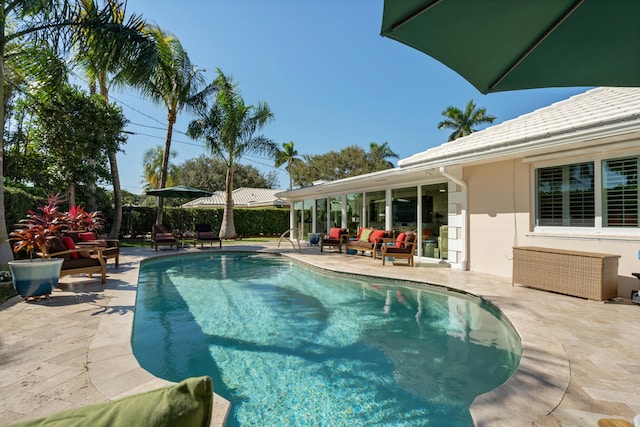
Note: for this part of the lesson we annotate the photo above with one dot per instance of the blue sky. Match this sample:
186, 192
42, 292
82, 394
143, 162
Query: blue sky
329, 77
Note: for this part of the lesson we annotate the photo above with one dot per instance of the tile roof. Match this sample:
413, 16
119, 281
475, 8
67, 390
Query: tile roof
242, 197
588, 115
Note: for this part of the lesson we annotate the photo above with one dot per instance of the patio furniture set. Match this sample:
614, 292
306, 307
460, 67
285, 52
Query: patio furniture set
162, 235
373, 241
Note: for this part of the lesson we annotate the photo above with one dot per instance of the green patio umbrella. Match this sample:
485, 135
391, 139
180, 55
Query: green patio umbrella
179, 191
500, 45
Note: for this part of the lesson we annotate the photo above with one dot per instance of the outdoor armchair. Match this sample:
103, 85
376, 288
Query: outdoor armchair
161, 234
336, 237
402, 248
205, 234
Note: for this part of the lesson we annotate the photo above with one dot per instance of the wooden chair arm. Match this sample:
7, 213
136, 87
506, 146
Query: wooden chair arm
96, 249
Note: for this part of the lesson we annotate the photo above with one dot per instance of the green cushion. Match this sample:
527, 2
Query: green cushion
364, 236
188, 403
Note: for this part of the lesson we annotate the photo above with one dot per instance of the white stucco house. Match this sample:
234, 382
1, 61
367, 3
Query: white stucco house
564, 177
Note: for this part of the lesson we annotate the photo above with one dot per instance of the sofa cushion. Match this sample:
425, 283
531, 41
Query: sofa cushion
365, 234
71, 264
207, 235
69, 244
376, 235
400, 239
188, 403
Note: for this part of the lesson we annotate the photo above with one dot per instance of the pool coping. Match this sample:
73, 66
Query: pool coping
530, 397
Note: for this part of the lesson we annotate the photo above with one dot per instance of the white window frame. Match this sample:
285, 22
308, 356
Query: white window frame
597, 229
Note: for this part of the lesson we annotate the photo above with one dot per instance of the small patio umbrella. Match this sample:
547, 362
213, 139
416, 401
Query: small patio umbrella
179, 192
500, 45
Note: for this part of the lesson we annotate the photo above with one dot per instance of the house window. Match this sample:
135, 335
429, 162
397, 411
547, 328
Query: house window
566, 196
620, 192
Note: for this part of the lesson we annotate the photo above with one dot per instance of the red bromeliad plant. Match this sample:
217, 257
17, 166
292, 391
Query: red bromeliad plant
40, 224
79, 219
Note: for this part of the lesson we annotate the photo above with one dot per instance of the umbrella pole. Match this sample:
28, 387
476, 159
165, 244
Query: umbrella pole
181, 226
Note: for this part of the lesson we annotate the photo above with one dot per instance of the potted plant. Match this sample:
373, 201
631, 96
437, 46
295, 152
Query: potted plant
36, 278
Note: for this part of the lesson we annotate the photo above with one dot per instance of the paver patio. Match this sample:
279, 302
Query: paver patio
581, 358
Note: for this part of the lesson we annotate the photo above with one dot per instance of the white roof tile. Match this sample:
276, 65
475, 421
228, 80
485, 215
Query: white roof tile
592, 109
242, 197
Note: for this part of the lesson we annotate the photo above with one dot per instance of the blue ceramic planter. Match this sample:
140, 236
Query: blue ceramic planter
35, 278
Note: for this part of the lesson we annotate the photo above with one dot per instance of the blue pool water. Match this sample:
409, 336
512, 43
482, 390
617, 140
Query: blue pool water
290, 345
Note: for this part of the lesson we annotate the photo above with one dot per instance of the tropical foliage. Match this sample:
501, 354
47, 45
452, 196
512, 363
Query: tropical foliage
350, 161
68, 135
178, 85
54, 28
152, 168
288, 154
109, 59
381, 153
464, 122
228, 128
207, 173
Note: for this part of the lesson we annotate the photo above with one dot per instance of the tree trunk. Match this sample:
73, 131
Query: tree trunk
115, 175
117, 198
171, 118
5, 248
228, 227
72, 194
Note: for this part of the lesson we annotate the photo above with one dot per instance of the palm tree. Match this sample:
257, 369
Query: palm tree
464, 123
287, 155
381, 153
55, 24
108, 59
228, 128
178, 85
152, 168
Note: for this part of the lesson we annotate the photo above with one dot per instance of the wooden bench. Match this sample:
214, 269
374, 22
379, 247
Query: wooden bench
581, 274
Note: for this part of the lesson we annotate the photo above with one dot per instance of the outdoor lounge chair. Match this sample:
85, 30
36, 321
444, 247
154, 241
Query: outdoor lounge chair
161, 235
403, 248
336, 237
369, 240
78, 260
205, 234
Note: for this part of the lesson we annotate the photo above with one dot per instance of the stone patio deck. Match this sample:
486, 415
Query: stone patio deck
581, 359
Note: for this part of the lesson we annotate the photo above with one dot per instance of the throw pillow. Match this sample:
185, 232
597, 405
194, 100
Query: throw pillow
334, 233
376, 235
400, 239
366, 233
87, 237
56, 245
69, 244
360, 232
188, 403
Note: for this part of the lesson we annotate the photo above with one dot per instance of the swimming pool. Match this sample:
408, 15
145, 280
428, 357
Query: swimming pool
291, 345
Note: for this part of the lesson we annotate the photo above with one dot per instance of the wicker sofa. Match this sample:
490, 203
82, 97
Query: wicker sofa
369, 240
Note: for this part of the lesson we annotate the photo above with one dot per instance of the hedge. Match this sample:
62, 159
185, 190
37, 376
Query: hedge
138, 220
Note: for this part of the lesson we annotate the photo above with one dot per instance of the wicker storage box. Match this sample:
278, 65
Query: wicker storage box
582, 274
